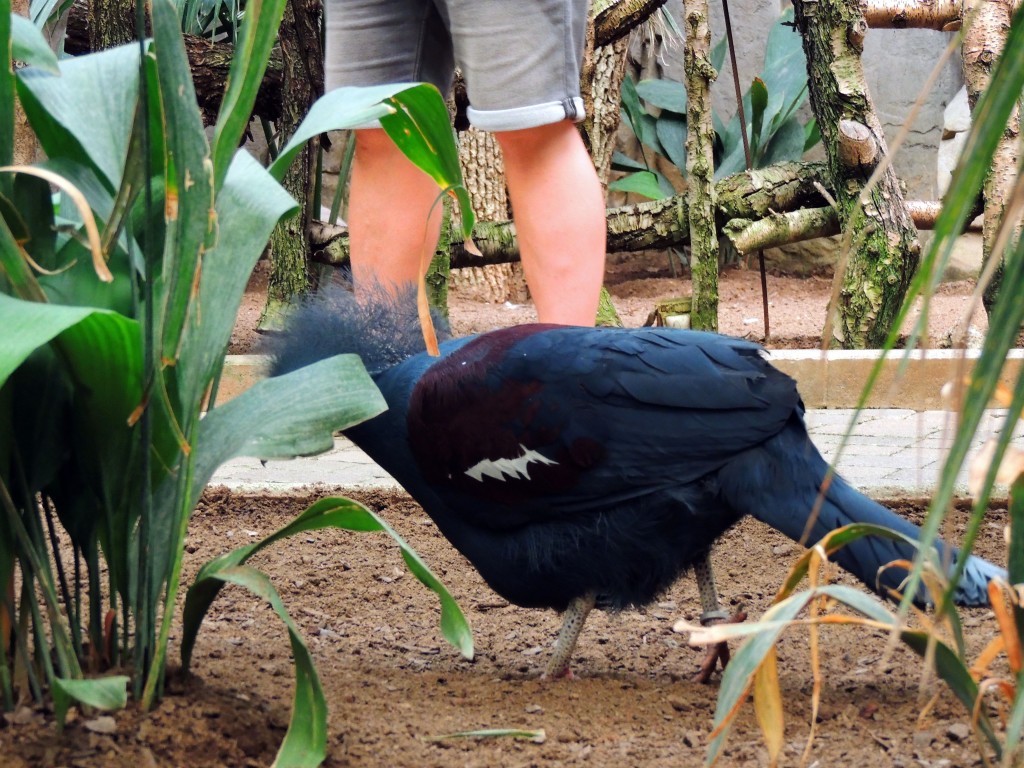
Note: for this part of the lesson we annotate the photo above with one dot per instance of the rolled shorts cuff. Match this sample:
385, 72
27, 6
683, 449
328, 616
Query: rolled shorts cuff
527, 117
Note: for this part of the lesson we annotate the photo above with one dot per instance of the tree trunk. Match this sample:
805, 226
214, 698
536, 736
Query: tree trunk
983, 44
303, 83
209, 61
484, 174
885, 248
111, 22
700, 167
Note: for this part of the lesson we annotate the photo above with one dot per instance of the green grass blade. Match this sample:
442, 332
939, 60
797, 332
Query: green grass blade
106, 693
305, 743
954, 672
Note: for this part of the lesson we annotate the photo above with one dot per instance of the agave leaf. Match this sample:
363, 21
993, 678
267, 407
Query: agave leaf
647, 183
671, 130
663, 93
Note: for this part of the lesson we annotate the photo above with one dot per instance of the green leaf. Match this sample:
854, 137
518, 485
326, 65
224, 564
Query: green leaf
30, 46
622, 162
249, 59
103, 86
340, 109
758, 106
672, 135
421, 127
327, 513
786, 143
28, 325
104, 693
642, 123
6, 99
286, 416
647, 183
812, 134
191, 229
718, 54
305, 743
663, 93
249, 205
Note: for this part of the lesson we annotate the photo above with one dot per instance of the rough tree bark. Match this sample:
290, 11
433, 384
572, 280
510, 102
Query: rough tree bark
303, 83
111, 22
983, 43
653, 224
484, 174
209, 62
885, 248
700, 166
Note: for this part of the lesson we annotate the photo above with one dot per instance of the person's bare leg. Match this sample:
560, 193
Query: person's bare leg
392, 230
559, 211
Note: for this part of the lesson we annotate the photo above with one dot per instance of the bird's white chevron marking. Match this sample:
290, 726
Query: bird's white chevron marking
517, 468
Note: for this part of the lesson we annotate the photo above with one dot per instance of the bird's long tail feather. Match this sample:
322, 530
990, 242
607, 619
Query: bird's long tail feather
780, 484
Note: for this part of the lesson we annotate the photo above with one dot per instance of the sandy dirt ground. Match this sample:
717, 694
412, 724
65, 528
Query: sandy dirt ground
393, 686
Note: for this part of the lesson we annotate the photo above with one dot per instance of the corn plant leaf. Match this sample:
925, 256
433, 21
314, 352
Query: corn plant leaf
421, 128
104, 693
248, 64
103, 86
29, 45
305, 743
329, 512
29, 324
339, 109
192, 225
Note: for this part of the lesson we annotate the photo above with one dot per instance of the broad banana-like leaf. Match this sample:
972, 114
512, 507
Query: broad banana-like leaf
103, 86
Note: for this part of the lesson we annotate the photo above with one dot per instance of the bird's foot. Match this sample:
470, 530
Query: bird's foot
563, 673
718, 651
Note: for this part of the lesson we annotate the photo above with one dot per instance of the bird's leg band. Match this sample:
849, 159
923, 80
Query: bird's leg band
572, 624
712, 611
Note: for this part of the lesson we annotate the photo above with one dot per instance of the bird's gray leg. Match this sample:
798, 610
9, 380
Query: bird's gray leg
572, 624
711, 613
708, 591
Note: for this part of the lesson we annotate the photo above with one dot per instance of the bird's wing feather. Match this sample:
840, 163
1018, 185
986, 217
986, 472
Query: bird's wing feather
534, 421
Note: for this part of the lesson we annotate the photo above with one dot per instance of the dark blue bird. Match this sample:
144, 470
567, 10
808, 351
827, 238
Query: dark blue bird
583, 466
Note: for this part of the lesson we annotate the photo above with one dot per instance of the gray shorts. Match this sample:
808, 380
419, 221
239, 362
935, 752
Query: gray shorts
520, 60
